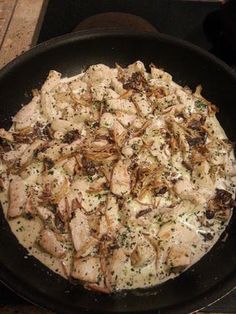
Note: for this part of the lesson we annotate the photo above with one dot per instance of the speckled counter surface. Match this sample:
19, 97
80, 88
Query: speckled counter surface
20, 22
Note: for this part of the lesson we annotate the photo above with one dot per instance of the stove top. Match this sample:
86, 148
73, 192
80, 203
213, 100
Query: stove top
207, 24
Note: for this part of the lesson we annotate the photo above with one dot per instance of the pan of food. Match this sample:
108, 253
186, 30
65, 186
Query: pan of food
118, 175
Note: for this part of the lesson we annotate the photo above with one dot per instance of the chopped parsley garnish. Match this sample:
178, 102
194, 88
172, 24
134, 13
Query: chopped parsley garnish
200, 105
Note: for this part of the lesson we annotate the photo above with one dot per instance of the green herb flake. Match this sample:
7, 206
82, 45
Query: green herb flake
200, 105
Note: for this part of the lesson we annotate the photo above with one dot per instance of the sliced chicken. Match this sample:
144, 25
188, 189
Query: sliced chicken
112, 213
160, 75
184, 189
28, 115
201, 175
115, 268
98, 91
97, 73
120, 181
13, 155
28, 154
48, 102
17, 197
125, 119
49, 243
98, 185
118, 86
107, 120
143, 254
141, 101
137, 66
119, 133
60, 151
44, 213
87, 269
121, 105
80, 230
51, 82
6, 135
178, 258
78, 89
69, 166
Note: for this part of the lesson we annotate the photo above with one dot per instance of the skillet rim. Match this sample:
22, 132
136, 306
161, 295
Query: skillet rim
200, 302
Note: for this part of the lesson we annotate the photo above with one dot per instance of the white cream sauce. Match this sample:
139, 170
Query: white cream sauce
182, 226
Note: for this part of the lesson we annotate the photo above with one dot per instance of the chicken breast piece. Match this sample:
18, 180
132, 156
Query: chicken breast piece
184, 189
28, 154
120, 181
96, 73
50, 244
178, 258
125, 119
112, 213
28, 115
142, 103
115, 268
143, 254
87, 269
107, 120
44, 213
121, 105
119, 133
6, 135
17, 197
80, 230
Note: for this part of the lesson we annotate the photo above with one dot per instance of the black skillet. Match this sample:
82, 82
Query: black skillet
205, 282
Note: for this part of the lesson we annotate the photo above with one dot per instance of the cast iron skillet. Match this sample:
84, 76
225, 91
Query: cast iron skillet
205, 282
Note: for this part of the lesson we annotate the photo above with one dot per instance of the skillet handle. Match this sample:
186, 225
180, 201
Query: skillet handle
116, 21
